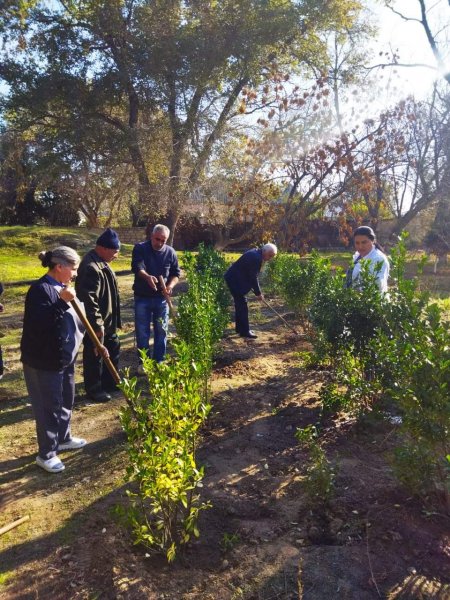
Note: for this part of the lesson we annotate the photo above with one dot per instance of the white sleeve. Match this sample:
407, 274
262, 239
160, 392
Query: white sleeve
383, 275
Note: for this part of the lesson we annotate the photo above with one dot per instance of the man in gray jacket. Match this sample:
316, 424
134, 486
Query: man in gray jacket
96, 286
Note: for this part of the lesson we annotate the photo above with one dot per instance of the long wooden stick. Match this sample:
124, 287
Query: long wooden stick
7, 528
167, 295
100, 349
280, 316
97, 343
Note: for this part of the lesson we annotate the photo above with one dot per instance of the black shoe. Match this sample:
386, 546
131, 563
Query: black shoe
111, 390
100, 396
250, 334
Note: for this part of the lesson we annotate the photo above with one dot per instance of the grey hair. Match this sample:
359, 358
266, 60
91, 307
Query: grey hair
162, 228
271, 247
62, 255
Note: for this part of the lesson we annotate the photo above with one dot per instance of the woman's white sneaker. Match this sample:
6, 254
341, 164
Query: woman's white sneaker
73, 444
51, 465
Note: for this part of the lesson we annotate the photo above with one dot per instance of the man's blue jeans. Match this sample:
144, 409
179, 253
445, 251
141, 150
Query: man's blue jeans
147, 311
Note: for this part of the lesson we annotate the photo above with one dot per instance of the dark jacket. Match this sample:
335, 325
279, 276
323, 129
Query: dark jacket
96, 286
242, 276
42, 342
155, 262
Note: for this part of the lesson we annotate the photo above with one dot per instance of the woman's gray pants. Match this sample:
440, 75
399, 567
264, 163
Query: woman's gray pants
52, 394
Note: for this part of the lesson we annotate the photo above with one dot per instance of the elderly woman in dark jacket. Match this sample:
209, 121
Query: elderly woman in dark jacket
52, 334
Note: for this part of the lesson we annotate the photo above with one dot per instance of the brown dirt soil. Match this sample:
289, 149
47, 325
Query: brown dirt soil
262, 539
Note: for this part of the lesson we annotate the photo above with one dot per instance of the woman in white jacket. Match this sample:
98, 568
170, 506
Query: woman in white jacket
367, 249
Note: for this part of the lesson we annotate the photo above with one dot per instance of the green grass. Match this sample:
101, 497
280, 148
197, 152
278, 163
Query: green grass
340, 258
10, 337
19, 267
20, 246
33, 239
444, 305
6, 577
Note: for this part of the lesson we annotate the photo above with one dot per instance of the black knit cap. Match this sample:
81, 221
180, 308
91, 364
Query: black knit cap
109, 239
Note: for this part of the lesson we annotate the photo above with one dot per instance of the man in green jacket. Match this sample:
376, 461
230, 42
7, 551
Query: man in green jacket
96, 286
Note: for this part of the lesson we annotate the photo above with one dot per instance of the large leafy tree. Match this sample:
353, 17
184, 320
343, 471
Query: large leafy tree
136, 66
433, 18
28, 188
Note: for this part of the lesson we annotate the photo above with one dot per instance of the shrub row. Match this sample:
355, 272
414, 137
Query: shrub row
162, 425
386, 352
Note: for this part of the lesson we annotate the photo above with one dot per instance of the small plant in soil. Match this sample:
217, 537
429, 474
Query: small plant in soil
307, 359
320, 475
229, 541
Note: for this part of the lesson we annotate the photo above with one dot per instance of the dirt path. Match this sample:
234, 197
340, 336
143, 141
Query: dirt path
262, 539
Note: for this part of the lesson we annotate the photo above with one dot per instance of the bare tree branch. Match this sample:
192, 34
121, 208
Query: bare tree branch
398, 64
401, 15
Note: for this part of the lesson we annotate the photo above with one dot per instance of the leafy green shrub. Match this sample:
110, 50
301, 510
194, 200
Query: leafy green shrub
320, 475
202, 310
162, 431
212, 264
412, 367
307, 436
162, 426
331, 398
355, 386
395, 349
294, 279
416, 468
392, 348
420, 387
307, 359
344, 317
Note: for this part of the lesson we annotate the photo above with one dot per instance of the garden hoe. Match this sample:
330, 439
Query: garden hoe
281, 317
167, 296
100, 348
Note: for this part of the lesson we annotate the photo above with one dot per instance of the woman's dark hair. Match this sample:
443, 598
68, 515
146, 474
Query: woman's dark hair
62, 255
365, 230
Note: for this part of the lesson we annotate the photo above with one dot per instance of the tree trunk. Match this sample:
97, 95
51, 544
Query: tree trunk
442, 219
440, 227
171, 221
222, 237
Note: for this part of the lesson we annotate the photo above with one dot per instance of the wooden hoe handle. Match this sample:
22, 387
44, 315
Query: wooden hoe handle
100, 348
95, 340
166, 294
7, 528
280, 316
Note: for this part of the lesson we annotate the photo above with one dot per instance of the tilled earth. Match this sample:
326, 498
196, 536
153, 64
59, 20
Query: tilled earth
263, 538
